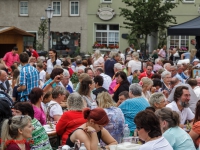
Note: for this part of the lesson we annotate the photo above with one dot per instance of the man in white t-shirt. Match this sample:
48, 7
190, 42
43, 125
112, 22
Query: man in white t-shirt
42, 74
54, 110
181, 104
106, 79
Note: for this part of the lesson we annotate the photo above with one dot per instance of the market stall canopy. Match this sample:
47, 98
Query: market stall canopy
191, 27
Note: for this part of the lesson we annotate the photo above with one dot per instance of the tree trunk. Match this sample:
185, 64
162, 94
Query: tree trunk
145, 47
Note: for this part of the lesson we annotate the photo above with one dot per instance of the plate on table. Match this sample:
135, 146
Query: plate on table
48, 128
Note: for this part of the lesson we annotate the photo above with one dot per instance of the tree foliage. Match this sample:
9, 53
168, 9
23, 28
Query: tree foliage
42, 32
143, 17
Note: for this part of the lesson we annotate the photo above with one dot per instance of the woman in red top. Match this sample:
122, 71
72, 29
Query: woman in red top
16, 131
71, 119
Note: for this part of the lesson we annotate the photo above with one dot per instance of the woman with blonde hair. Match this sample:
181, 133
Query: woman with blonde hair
134, 64
189, 55
115, 115
98, 60
16, 131
146, 84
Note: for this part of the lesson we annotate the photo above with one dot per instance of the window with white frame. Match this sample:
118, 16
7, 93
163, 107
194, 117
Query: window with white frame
23, 8
74, 8
106, 1
57, 8
188, 1
179, 41
107, 34
173, 1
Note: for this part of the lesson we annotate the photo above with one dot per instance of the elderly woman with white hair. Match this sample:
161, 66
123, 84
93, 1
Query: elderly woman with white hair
166, 79
134, 105
157, 100
134, 64
71, 119
98, 60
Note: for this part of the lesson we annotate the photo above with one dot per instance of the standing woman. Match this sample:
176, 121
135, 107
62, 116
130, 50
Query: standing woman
36, 97
122, 84
52, 61
16, 131
98, 60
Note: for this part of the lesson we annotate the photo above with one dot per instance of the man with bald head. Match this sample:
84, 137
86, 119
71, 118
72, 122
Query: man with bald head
4, 84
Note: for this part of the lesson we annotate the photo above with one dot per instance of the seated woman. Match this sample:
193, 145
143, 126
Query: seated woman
195, 131
92, 131
157, 100
85, 90
36, 97
39, 135
148, 128
177, 137
146, 84
72, 118
16, 132
115, 115
54, 110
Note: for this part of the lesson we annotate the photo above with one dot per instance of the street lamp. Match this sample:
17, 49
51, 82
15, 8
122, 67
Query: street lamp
49, 11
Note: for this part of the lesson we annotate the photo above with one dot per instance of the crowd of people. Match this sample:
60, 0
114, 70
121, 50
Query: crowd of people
93, 99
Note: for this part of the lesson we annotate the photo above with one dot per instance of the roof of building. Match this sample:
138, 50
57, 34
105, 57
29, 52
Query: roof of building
14, 29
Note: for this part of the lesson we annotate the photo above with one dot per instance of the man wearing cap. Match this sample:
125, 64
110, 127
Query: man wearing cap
10, 58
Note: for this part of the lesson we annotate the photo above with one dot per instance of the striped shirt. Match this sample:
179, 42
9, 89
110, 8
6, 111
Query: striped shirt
29, 76
130, 108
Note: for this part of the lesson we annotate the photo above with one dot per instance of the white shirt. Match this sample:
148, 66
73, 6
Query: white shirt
134, 65
56, 109
80, 67
158, 144
97, 62
185, 114
106, 81
197, 91
50, 65
42, 76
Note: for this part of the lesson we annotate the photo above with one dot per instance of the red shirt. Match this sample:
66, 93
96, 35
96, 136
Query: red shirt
14, 146
144, 74
68, 122
10, 58
34, 54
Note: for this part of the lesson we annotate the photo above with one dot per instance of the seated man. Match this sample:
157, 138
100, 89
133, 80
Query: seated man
133, 106
181, 104
122, 97
98, 80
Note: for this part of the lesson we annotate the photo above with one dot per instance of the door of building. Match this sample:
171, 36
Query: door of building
4, 48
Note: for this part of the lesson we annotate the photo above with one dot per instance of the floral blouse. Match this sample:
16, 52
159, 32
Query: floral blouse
117, 123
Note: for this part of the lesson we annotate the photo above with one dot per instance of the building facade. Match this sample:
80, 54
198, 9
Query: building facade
69, 17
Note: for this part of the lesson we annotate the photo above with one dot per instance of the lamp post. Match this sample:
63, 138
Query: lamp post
49, 11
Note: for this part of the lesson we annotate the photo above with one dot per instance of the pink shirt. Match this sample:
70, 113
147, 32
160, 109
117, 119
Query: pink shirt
112, 86
39, 114
162, 53
10, 58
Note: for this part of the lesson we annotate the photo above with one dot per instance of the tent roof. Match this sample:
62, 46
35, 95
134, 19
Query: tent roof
191, 27
3, 30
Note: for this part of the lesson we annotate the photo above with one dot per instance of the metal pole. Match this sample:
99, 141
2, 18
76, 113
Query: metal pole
49, 21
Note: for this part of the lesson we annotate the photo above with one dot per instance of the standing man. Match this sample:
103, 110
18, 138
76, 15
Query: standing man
131, 47
181, 104
10, 58
28, 78
162, 53
33, 52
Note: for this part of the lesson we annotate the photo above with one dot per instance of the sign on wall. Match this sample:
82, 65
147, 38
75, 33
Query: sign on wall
106, 13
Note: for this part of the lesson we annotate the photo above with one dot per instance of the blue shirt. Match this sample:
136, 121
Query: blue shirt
131, 108
179, 139
29, 76
109, 67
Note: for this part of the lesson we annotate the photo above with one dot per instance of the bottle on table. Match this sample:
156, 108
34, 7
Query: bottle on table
94, 105
126, 131
99, 146
82, 147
